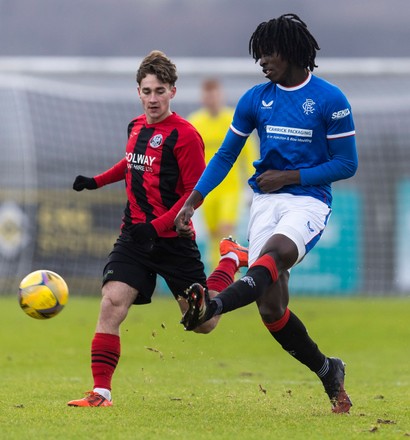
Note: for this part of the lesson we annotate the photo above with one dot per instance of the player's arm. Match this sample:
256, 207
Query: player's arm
112, 175
248, 155
221, 163
343, 163
242, 125
191, 163
219, 166
215, 172
341, 145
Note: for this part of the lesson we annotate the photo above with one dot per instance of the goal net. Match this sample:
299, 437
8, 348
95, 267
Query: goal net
61, 118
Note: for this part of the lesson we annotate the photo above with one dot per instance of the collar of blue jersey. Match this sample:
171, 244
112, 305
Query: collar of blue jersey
299, 86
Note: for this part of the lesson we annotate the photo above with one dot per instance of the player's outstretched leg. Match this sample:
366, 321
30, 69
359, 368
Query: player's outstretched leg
198, 300
228, 245
91, 399
334, 386
197, 296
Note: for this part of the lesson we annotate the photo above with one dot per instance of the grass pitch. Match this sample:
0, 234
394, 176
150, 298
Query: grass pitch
235, 383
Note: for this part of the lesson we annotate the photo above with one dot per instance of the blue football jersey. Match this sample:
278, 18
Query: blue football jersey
295, 127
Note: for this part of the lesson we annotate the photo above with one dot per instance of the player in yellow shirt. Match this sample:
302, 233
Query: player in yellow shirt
222, 207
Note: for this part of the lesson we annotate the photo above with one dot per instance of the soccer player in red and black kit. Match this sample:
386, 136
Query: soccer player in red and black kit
163, 161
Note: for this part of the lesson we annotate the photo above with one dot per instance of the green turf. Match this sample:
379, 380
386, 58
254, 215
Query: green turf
235, 383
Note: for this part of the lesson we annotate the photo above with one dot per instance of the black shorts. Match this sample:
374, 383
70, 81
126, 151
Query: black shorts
177, 260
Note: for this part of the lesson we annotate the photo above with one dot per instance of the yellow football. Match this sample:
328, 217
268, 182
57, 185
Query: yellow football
43, 294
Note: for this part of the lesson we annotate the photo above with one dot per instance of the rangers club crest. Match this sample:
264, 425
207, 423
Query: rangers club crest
308, 106
156, 141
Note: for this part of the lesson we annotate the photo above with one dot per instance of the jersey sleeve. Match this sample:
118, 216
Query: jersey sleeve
112, 175
219, 166
117, 172
243, 122
248, 156
191, 163
341, 140
338, 116
342, 165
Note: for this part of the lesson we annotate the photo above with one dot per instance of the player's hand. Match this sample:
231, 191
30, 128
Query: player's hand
82, 182
182, 222
142, 232
273, 180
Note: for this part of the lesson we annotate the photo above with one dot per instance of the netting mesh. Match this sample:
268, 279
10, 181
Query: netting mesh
51, 131
47, 139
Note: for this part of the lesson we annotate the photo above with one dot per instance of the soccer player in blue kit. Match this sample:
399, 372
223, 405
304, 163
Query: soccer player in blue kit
307, 141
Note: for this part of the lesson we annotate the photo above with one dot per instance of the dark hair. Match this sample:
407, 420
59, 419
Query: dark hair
157, 63
287, 36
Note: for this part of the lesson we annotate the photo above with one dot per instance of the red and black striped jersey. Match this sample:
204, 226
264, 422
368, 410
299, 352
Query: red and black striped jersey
162, 164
